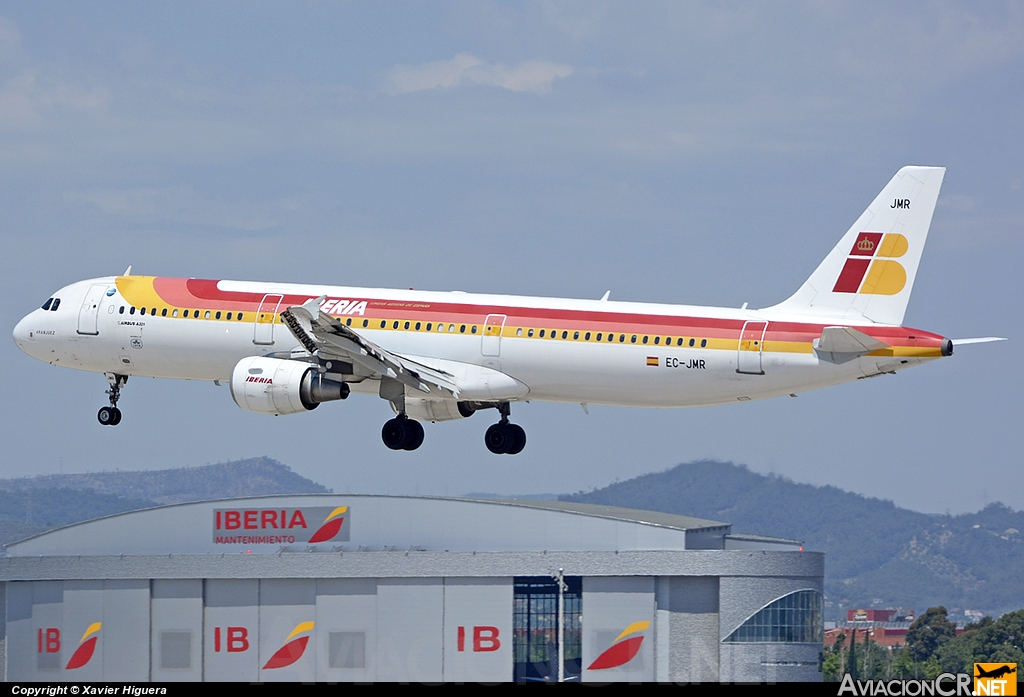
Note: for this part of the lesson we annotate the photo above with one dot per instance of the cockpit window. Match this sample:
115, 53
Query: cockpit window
55, 305
46, 305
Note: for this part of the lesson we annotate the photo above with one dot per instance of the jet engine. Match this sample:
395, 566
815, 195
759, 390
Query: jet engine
275, 386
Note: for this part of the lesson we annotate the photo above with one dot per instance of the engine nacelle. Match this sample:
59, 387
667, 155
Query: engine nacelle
275, 386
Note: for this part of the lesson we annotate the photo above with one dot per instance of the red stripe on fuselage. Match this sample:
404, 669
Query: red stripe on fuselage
204, 294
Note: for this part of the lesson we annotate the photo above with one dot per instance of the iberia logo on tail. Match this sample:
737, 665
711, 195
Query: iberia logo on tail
86, 647
870, 268
293, 647
331, 525
625, 647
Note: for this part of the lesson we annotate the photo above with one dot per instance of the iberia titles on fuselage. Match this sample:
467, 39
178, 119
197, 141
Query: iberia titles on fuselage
435, 356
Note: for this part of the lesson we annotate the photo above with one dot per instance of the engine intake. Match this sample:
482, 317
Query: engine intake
276, 386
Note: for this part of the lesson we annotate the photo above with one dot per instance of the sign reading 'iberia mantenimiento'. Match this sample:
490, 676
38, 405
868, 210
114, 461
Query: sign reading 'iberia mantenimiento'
280, 526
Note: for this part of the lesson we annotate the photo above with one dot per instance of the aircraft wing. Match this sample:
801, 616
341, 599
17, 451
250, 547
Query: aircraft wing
329, 338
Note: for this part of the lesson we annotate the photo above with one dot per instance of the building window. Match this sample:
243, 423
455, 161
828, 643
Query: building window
535, 624
346, 649
793, 618
176, 650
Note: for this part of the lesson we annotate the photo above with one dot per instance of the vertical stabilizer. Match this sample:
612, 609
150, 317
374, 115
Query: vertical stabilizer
870, 273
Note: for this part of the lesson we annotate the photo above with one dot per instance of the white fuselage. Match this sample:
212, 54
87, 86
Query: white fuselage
99, 327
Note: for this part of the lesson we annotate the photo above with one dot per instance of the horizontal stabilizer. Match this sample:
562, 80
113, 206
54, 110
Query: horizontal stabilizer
842, 344
978, 340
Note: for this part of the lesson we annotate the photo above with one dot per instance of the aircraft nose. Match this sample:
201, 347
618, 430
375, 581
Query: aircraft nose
22, 334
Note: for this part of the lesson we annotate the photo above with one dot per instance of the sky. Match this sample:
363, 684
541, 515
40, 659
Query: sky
707, 154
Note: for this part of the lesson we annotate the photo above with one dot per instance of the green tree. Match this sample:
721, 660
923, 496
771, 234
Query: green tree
929, 632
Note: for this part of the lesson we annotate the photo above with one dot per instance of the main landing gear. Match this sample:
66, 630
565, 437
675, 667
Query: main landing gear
111, 416
504, 438
402, 433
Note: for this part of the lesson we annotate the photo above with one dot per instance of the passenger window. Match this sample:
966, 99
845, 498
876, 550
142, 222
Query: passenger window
395, 324
633, 340
451, 329
430, 325
622, 338
348, 322
239, 316
600, 335
229, 315
132, 310
679, 341
218, 314
163, 312
142, 312
417, 326
121, 311
565, 334
46, 305
383, 324
519, 331
174, 313
206, 315
529, 333
692, 342
472, 329
703, 343
575, 336
656, 340
541, 333
462, 329
587, 336
406, 325
645, 339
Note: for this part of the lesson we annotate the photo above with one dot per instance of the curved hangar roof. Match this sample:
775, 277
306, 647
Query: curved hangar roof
330, 522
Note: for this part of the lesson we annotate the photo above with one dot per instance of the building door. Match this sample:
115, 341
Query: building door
263, 333
535, 625
748, 357
491, 341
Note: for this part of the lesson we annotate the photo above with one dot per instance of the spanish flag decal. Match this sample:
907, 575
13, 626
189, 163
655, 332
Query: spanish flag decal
652, 360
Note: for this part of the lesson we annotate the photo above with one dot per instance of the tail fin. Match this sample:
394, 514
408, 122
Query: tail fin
870, 273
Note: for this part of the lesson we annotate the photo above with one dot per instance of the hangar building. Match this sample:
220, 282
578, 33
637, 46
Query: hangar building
393, 588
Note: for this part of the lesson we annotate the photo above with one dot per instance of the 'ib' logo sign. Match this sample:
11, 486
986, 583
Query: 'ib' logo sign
871, 267
995, 678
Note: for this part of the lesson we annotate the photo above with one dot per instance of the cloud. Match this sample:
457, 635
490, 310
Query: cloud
465, 69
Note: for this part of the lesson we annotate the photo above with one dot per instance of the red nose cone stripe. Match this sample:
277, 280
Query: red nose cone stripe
618, 655
327, 531
82, 655
288, 654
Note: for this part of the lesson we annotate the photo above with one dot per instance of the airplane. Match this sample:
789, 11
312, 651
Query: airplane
438, 356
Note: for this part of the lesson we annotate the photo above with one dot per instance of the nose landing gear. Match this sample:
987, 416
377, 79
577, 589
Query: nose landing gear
111, 416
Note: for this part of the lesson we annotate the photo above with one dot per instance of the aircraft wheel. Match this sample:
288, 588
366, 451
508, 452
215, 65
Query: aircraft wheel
497, 438
413, 434
518, 439
393, 433
106, 416
117, 416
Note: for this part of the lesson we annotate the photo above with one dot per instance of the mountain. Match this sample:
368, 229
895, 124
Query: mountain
30, 505
876, 554
253, 477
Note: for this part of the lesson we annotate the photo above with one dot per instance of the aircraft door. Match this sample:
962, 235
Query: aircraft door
263, 332
751, 347
491, 342
89, 315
